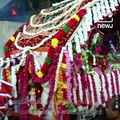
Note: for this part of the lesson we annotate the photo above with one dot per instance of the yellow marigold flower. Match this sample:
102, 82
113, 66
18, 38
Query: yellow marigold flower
65, 102
40, 74
54, 42
76, 17
12, 38
64, 86
64, 65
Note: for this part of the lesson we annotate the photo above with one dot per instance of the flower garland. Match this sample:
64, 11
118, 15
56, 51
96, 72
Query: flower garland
106, 86
91, 98
84, 87
80, 87
58, 10
59, 3
118, 74
69, 78
61, 58
94, 89
116, 79
11, 41
14, 81
74, 4
23, 91
102, 90
112, 82
72, 23
98, 87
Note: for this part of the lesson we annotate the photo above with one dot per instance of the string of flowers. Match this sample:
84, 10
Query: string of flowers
94, 89
102, 90
116, 78
59, 115
84, 87
106, 86
80, 87
91, 90
11, 41
69, 78
98, 87
112, 83
52, 80
77, 90
73, 22
118, 73
56, 17
61, 90
24, 88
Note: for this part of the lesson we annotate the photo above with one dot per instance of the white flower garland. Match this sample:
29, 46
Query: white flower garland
87, 96
116, 3
95, 15
98, 87
62, 2
104, 89
14, 81
109, 84
58, 67
118, 73
78, 45
81, 36
43, 30
107, 7
94, 60
89, 19
100, 16
114, 83
29, 47
70, 50
103, 8
54, 19
112, 5
91, 88
62, 8
85, 32
80, 87
74, 96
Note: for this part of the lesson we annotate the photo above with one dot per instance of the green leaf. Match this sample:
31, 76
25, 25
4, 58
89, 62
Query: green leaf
111, 56
6, 48
70, 107
100, 56
66, 28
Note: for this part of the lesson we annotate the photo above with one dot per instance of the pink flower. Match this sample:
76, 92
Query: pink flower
97, 50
